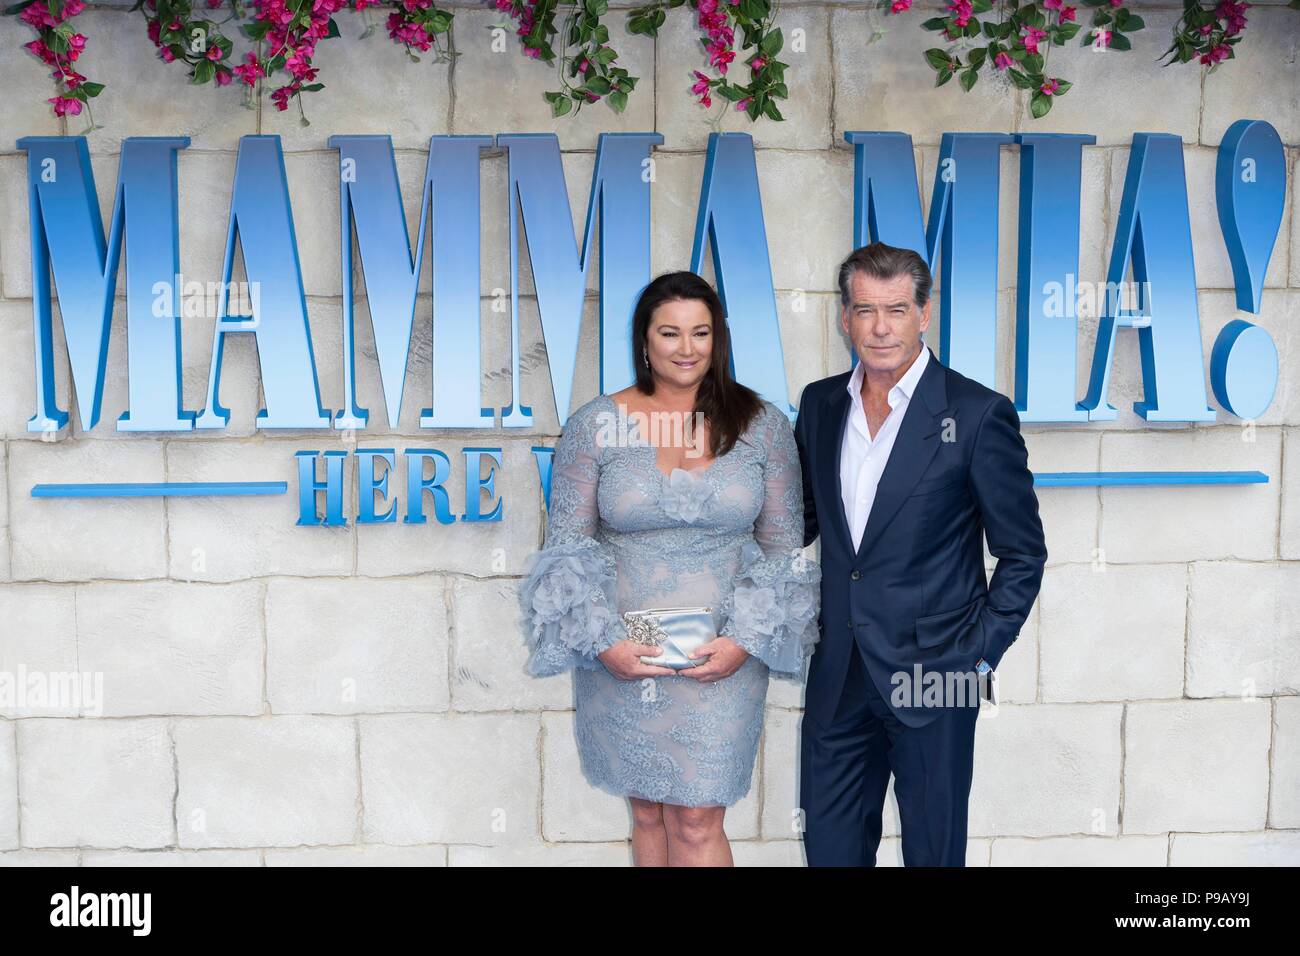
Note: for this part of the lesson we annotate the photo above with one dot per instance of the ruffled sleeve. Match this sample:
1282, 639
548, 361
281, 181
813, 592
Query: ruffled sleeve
771, 611
567, 598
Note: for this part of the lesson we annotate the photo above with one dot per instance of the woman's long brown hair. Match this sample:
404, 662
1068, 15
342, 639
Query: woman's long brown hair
726, 405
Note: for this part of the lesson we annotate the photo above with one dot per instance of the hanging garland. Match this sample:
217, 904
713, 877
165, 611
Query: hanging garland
1013, 39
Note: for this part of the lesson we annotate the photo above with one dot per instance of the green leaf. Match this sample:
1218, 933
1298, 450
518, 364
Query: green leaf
332, 30
977, 57
769, 108
935, 23
618, 101
92, 89
968, 78
1020, 79
937, 58
944, 76
1040, 105
561, 106
314, 87
772, 43
203, 71
598, 85
1119, 41
597, 8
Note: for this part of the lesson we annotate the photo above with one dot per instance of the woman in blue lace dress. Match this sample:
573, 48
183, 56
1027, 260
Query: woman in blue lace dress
642, 519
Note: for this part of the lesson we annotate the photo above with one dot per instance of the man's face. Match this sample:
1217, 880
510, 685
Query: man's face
883, 321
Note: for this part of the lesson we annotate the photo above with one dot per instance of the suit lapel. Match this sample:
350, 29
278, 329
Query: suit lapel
914, 447
830, 439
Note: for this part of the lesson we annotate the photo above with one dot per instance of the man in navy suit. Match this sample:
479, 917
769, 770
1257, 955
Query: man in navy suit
907, 467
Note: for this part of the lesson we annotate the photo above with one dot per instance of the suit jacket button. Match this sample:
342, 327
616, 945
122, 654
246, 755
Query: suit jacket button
855, 575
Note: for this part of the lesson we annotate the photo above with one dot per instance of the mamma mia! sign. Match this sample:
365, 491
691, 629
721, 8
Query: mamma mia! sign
959, 238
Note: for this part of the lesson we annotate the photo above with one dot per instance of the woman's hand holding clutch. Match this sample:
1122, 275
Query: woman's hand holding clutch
623, 660
725, 657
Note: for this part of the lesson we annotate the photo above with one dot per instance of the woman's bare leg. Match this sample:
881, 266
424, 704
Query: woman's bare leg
695, 836
649, 838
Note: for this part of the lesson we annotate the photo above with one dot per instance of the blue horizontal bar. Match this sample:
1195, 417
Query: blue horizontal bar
187, 489
1082, 479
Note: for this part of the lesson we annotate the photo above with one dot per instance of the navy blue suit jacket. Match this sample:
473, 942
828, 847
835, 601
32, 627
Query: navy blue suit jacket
915, 591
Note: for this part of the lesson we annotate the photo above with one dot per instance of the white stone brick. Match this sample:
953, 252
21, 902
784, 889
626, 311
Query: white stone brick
544, 854
18, 369
1195, 765
93, 783
1046, 770
1081, 851
512, 100
1069, 515
805, 257
166, 648
490, 654
8, 786
452, 779
229, 538
24, 110
1254, 85
356, 646
1104, 79
686, 125
71, 539
889, 85
1161, 523
1267, 848
119, 858
26, 858
269, 781
674, 204
768, 853
359, 856
38, 641
1288, 481
371, 88
1284, 785
478, 548
143, 96
1113, 634
1241, 631
15, 237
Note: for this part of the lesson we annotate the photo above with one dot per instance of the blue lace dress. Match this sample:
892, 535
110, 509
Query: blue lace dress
621, 535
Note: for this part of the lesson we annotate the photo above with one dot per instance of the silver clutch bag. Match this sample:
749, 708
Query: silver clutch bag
678, 630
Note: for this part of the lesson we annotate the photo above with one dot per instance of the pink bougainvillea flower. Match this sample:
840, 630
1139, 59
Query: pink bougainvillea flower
1101, 38
1068, 14
1003, 60
961, 11
1031, 38
900, 6
215, 53
66, 106
743, 104
1050, 87
758, 63
224, 77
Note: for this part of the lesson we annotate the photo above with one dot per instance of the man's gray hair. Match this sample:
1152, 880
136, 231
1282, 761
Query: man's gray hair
881, 261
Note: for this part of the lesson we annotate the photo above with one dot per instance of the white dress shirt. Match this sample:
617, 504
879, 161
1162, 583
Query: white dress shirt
863, 458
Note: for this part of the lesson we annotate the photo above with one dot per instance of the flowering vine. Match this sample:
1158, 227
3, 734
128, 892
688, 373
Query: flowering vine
1208, 33
1009, 37
586, 63
718, 21
59, 45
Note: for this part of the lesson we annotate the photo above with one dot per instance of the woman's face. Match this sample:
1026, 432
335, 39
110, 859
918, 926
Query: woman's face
679, 342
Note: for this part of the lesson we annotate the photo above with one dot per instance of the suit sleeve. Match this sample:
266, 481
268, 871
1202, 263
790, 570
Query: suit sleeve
802, 426
1003, 487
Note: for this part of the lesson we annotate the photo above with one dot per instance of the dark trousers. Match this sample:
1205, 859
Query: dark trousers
845, 768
